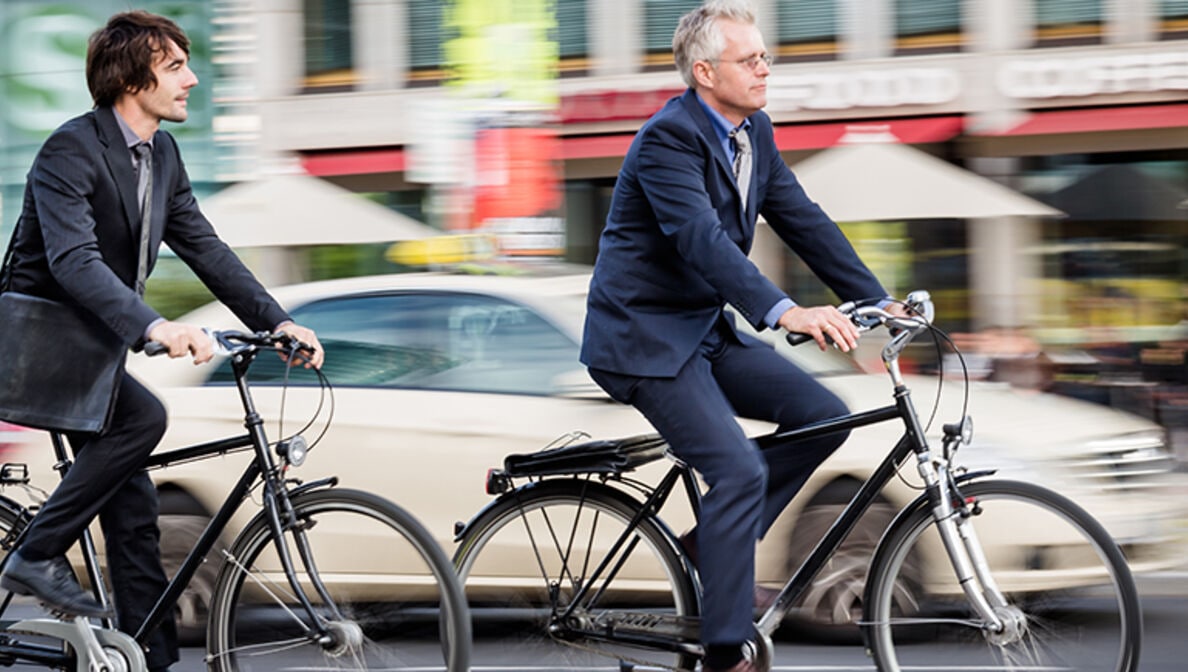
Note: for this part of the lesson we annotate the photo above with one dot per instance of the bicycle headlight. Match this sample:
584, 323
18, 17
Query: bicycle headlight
293, 450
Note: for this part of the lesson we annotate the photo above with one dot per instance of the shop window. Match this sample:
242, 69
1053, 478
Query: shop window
1117, 260
328, 61
1061, 23
1173, 15
807, 29
660, 18
927, 26
426, 36
573, 36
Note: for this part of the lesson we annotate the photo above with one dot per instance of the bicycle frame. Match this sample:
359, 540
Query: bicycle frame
912, 441
962, 546
276, 504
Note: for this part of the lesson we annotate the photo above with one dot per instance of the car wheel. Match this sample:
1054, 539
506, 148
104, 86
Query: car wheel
831, 606
182, 520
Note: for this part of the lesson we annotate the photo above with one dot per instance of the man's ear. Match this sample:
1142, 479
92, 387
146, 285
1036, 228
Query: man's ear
704, 75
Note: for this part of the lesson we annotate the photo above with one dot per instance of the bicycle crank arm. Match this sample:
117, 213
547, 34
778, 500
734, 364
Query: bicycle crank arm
91, 645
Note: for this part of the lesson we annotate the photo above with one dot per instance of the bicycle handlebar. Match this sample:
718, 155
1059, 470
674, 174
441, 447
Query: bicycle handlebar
867, 318
231, 341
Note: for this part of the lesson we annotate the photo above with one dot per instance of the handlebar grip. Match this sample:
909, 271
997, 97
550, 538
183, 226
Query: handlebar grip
797, 338
153, 348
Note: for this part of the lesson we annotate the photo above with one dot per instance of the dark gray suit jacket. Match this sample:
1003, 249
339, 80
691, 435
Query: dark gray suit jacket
78, 238
674, 250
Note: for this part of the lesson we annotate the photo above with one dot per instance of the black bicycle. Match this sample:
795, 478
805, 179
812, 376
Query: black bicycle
321, 578
574, 547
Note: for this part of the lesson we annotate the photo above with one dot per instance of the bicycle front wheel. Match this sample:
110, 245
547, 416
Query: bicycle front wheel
529, 565
1071, 602
390, 599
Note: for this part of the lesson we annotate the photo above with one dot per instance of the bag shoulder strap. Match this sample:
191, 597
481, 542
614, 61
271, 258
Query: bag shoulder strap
6, 268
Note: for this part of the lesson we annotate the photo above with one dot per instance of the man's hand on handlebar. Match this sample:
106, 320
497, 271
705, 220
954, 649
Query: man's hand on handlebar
181, 339
825, 324
308, 337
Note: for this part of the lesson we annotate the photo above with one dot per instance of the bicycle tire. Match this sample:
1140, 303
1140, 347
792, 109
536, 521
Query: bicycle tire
401, 602
1072, 601
523, 559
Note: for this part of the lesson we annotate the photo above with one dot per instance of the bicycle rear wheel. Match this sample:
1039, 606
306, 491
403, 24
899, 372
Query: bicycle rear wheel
398, 602
525, 560
1071, 600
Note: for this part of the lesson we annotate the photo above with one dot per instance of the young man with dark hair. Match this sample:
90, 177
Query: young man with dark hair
106, 189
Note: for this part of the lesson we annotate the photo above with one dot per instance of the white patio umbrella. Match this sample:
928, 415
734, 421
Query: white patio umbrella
872, 177
296, 209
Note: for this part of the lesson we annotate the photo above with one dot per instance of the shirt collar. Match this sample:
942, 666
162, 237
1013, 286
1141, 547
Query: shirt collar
720, 123
130, 137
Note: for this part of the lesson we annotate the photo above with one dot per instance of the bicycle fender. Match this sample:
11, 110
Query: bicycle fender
314, 485
461, 529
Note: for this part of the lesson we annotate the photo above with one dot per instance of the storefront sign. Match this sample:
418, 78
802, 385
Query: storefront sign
864, 88
1097, 75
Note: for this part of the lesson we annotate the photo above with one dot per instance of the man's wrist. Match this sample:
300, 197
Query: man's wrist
772, 318
152, 325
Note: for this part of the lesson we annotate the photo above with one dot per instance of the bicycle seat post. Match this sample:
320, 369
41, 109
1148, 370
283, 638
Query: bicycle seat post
62, 460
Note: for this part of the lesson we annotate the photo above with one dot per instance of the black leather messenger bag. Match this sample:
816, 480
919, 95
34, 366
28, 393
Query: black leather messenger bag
59, 364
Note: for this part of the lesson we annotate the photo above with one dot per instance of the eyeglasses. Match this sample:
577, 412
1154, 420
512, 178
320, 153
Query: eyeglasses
752, 63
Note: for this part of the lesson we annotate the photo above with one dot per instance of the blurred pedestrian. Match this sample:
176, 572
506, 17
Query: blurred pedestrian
104, 191
672, 255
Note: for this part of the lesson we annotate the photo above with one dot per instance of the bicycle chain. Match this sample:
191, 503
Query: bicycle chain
606, 654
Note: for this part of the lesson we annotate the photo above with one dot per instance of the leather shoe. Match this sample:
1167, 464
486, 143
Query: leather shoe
51, 582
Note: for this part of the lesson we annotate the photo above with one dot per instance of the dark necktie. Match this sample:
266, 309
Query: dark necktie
144, 193
742, 162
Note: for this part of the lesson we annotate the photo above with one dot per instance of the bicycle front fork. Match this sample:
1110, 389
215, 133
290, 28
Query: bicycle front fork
953, 513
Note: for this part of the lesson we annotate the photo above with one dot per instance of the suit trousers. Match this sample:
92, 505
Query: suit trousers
107, 480
748, 487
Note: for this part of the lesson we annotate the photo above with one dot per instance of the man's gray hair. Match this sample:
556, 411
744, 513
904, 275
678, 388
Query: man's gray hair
698, 37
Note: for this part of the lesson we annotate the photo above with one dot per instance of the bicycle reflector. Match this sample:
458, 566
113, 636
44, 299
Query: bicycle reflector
497, 482
293, 450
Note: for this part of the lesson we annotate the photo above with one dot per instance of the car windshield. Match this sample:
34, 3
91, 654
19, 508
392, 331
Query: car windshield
437, 340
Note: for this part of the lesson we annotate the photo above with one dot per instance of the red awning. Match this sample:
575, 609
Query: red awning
1093, 120
790, 137
354, 162
911, 131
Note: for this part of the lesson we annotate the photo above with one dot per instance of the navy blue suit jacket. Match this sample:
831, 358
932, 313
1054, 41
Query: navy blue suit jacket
79, 234
674, 250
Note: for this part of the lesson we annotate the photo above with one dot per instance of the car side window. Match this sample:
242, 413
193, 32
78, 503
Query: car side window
428, 340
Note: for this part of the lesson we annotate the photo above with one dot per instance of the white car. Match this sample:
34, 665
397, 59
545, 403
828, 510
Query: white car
438, 376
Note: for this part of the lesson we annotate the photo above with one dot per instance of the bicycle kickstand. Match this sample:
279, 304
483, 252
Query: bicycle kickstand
92, 646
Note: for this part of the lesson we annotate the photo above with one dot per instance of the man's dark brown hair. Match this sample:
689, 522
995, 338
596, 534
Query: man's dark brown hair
120, 56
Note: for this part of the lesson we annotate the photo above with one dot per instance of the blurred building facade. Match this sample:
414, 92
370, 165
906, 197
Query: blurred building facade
1038, 94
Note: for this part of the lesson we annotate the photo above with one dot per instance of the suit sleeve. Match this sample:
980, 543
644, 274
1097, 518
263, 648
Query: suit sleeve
190, 235
63, 181
813, 236
673, 166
